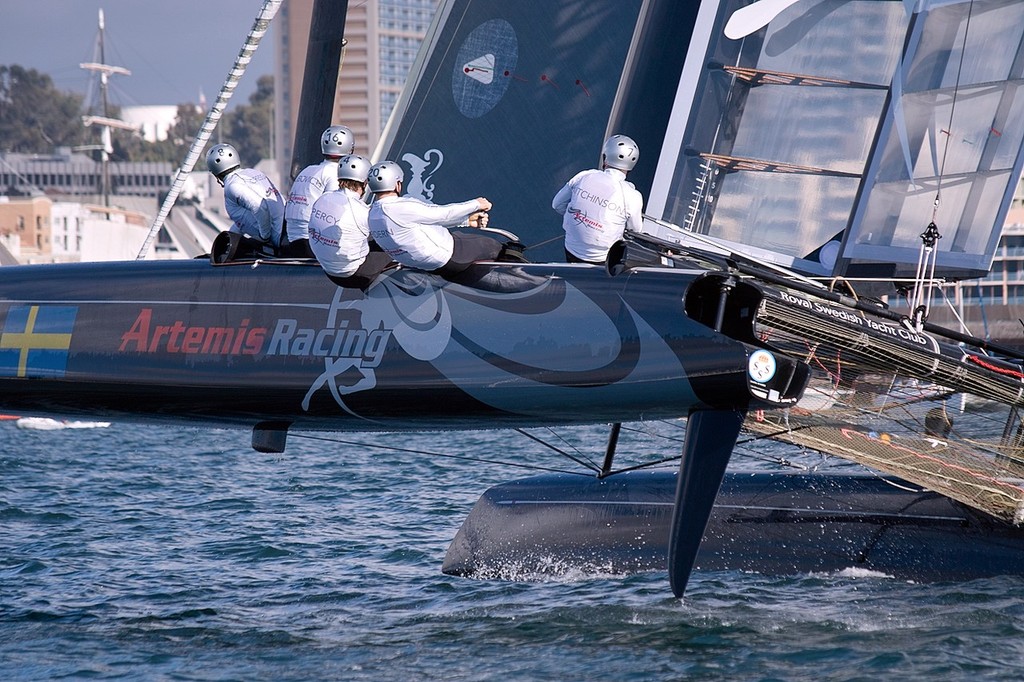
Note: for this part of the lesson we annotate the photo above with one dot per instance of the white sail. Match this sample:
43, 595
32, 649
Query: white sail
832, 136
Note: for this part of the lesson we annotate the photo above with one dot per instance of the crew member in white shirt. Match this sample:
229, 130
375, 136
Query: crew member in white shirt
599, 204
250, 198
338, 234
415, 233
310, 184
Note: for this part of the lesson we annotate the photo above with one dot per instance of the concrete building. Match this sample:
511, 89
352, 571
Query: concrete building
382, 40
152, 121
74, 174
90, 232
25, 225
38, 229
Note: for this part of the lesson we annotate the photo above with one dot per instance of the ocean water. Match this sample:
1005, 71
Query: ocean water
178, 553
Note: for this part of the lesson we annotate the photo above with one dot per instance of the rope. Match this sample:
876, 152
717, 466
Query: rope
927, 257
252, 41
1006, 371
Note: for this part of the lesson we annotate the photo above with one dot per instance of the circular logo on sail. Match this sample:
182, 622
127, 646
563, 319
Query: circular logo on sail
484, 67
761, 366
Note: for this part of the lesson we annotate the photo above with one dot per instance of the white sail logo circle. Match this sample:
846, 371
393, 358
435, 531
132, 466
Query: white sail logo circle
761, 366
484, 67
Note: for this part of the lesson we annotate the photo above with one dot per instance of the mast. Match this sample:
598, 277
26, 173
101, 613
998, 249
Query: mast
319, 81
104, 121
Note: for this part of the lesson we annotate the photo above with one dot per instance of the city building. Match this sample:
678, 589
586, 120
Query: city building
90, 232
75, 174
1004, 284
25, 225
382, 40
40, 229
152, 121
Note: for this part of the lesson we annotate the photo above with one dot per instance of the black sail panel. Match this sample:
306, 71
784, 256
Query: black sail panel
512, 101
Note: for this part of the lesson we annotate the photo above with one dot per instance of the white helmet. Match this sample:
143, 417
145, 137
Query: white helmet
353, 167
620, 152
337, 141
385, 176
222, 158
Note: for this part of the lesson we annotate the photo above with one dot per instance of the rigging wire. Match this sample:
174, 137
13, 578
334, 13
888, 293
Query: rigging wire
738, 449
259, 28
928, 255
587, 464
444, 455
956, 314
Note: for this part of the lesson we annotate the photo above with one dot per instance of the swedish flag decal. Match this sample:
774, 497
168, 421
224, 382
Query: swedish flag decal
35, 340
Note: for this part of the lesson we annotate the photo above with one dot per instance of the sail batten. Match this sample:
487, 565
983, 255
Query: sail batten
755, 76
731, 163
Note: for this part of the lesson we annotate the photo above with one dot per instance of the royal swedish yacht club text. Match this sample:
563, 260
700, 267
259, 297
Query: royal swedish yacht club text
846, 316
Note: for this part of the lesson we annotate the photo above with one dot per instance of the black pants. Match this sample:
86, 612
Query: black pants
297, 249
469, 248
376, 262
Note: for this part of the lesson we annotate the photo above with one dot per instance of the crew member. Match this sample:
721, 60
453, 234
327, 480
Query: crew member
310, 184
250, 198
599, 204
338, 235
415, 233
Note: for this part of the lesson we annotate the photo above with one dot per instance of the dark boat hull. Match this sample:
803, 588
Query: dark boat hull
510, 345
771, 523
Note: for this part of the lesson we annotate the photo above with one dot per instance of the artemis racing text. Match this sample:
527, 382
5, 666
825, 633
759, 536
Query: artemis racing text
176, 337
341, 342
346, 340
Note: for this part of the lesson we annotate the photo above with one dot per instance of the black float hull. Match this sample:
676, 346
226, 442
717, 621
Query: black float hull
771, 523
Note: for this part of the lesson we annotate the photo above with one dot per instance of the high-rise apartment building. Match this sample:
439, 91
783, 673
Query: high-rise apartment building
382, 39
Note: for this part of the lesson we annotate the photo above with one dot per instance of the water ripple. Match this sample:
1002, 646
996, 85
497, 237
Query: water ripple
160, 553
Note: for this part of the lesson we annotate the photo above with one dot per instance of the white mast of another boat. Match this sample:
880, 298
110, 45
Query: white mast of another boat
105, 147
252, 41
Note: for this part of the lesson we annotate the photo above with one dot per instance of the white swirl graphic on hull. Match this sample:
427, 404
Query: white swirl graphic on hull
510, 357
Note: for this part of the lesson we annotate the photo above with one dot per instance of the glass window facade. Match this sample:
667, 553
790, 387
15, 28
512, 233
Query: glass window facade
401, 25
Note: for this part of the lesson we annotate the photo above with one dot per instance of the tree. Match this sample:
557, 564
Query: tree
34, 115
186, 127
247, 127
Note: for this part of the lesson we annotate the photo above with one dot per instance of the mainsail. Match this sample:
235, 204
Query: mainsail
508, 101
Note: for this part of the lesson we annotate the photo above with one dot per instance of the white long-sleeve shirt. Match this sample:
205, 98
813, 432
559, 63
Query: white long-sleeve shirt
313, 182
597, 206
254, 204
414, 232
338, 234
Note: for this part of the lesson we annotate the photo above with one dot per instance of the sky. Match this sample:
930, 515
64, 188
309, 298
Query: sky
174, 48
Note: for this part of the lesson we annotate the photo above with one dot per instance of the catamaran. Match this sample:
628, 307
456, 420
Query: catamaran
806, 164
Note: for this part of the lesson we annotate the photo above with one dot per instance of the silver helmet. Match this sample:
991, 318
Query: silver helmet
222, 158
620, 152
353, 167
337, 141
385, 176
